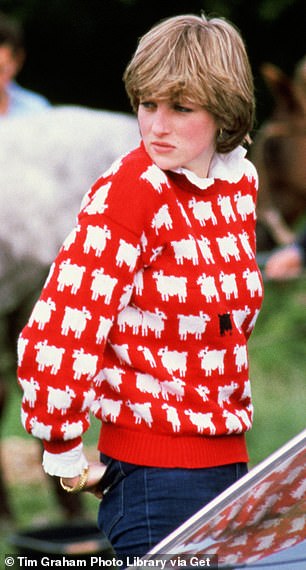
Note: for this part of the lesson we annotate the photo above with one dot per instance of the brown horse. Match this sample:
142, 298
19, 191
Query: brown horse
279, 153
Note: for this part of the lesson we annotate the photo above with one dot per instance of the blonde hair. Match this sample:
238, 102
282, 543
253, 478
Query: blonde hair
200, 60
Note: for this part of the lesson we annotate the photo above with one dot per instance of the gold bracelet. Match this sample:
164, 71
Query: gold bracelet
80, 484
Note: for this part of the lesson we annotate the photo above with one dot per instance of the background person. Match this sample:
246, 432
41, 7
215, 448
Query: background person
147, 310
14, 99
288, 262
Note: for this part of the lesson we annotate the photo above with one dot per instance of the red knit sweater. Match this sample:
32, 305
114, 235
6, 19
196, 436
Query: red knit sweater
145, 316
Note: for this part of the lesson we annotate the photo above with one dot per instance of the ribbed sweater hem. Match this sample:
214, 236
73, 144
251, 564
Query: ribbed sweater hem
156, 450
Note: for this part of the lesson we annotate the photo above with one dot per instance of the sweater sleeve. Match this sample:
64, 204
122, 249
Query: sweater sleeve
61, 348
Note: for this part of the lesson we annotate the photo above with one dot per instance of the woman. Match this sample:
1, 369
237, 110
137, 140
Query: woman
153, 296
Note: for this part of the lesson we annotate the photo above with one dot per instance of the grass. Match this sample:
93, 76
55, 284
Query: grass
278, 367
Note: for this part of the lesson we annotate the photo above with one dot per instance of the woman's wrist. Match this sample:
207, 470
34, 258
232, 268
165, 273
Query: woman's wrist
75, 484
89, 480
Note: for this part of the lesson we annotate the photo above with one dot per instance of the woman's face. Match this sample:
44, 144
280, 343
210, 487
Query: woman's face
176, 135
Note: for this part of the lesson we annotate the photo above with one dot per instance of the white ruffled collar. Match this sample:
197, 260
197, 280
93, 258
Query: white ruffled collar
230, 166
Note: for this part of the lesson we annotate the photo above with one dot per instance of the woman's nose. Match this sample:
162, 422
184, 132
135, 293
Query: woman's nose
161, 123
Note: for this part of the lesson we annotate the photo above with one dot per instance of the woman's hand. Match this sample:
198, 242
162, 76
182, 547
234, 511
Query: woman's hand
95, 473
286, 263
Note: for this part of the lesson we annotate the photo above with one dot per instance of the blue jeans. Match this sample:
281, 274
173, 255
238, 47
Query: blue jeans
145, 504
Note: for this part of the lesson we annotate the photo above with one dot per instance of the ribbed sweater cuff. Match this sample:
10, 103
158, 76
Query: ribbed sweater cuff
59, 446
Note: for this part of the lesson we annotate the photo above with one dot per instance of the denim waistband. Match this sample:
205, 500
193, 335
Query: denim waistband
115, 471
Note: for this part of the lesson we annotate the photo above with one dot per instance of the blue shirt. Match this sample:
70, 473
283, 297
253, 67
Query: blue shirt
23, 101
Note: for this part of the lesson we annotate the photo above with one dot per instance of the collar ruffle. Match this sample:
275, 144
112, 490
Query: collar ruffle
230, 167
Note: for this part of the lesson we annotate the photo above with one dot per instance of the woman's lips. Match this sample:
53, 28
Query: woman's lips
162, 147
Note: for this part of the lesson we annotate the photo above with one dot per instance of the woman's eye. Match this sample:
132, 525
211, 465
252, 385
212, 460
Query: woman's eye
148, 104
182, 109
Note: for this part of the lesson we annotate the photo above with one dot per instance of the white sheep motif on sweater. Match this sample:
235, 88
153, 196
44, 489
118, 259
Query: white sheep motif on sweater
98, 205
174, 387
122, 352
171, 286
70, 275
212, 360
153, 321
193, 324
208, 287
110, 408
104, 327
173, 360
21, 346
162, 219
225, 393
147, 384
202, 211
41, 313
226, 208
202, 421
84, 364
245, 205
49, 356
30, 388
148, 356
172, 417
102, 285
75, 320
204, 244
40, 430
185, 249
96, 239
141, 411
128, 254
71, 430
228, 247
156, 177
60, 399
